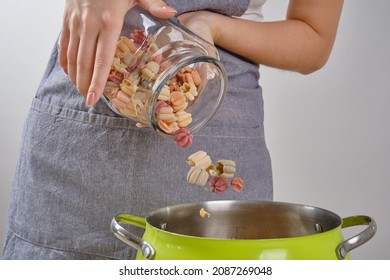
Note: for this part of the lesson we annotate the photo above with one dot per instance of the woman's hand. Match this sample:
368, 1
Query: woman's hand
302, 42
88, 39
199, 23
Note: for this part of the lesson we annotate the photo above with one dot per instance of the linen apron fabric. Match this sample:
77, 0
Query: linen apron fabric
81, 166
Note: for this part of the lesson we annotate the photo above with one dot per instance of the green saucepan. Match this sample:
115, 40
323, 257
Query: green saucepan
245, 230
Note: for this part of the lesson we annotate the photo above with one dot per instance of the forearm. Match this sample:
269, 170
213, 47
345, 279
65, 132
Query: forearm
300, 43
289, 45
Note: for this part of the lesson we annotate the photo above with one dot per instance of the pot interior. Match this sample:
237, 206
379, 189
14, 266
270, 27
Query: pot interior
244, 220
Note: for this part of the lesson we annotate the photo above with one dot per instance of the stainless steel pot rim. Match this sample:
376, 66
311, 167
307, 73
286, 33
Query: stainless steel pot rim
241, 202
280, 239
219, 205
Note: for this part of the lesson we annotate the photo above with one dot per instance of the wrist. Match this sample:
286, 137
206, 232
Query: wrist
214, 20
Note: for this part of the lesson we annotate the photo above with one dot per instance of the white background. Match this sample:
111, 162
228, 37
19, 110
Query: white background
328, 133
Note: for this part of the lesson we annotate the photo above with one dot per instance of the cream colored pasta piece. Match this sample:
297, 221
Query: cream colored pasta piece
142, 95
121, 45
153, 47
118, 53
130, 110
139, 105
199, 159
129, 59
197, 176
203, 213
166, 114
150, 70
183, 118
223, 169
164, 93
188, 95
178, 100
181, 106
141, 101
147, 74
121, 48
126, 45
189, 90
128, 87
119, 66
123, 97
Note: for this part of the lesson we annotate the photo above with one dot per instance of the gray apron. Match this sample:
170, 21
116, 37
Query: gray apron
81, 166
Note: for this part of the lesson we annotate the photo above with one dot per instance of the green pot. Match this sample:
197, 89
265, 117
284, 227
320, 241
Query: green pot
246, 230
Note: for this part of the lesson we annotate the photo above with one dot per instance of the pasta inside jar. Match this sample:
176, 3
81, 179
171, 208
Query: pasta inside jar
164, 76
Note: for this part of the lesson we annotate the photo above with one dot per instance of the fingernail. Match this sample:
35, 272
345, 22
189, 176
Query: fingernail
168, 9
91, 99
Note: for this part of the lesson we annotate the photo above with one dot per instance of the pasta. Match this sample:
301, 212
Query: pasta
203, 213
200, 164
136, 65
197, 176
199, 159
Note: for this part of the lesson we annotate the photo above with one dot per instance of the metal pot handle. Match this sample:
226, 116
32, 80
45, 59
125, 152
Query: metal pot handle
134, 241
359, 239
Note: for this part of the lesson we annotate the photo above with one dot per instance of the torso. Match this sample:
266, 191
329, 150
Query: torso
82, 166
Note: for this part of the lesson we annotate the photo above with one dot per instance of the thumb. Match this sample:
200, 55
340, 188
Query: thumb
158, 8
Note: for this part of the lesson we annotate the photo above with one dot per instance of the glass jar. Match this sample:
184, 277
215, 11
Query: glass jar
164, 76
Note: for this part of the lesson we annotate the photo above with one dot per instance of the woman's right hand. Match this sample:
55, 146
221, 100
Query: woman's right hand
88, 39
199, 22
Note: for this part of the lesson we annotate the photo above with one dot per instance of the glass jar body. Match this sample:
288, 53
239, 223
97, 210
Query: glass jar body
164, 76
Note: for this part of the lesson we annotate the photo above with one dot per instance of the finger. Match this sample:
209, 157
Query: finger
63, 43
158, 8
72, 56
85, 61
105, 52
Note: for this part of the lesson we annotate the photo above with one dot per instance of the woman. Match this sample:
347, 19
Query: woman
80, 164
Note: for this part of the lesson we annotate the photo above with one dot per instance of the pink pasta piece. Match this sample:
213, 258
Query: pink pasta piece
218, 185
111, 92
138, 36
196, 77
160, 104
115, 76
183, 138
237, 184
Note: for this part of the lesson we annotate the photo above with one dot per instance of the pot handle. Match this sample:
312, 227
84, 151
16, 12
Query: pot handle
134, 241
359, 239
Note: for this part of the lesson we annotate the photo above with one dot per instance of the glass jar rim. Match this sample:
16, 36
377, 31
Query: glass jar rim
168, 74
